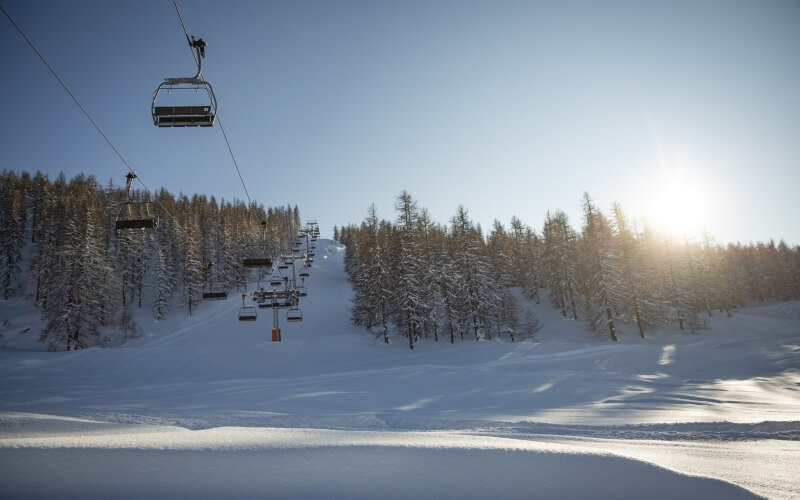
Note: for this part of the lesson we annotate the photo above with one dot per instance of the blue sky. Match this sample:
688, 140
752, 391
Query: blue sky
686, 111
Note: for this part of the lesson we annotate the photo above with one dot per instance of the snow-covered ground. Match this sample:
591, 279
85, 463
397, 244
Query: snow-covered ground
206, 406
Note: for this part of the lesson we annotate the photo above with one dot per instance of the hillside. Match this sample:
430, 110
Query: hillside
205, 406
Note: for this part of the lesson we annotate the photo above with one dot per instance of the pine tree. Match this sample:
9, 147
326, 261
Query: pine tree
532, 274
603, 292
560, 261
408, 292
81, 296
474, 285
191, 261
12, 231
370, 276
681, 292
632, 274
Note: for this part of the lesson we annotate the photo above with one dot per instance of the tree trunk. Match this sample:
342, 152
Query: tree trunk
611, 327
638, 319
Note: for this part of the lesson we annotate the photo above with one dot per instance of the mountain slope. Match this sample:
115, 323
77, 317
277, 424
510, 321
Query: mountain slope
332, 411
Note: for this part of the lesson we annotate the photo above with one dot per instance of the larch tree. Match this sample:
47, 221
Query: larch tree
408, 290
559, 263
13, 219
604, 293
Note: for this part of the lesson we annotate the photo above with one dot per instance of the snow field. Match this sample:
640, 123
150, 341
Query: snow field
206, 406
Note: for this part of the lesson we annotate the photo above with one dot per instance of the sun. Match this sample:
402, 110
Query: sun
679, 201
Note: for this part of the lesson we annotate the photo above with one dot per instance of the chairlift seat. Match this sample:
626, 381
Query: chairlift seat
257, 262
136, 224
215, 295
294, 314
182, 110
185, 121
181, 115
248, 313
135, 215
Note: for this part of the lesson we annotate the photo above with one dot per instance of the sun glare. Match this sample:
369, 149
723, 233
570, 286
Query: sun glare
679, 202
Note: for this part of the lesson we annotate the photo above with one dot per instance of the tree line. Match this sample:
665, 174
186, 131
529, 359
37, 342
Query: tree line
59, 246
421, 279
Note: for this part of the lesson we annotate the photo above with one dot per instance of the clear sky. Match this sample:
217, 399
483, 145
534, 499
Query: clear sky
685, 111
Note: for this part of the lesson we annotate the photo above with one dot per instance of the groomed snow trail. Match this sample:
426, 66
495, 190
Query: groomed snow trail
206, 406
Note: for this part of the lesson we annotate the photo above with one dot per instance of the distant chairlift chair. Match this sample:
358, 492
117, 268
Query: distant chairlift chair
211, 294
258, 255
134, 214
294, 314
247, 313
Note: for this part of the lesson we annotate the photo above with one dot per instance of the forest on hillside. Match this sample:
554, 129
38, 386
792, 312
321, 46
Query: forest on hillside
61, 247
421, 279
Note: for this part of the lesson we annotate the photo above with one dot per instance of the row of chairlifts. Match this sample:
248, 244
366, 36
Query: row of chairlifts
186, 101
272, 299
275, 298
134, 214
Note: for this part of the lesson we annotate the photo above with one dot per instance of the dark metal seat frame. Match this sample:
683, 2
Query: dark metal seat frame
134, 214
186, 116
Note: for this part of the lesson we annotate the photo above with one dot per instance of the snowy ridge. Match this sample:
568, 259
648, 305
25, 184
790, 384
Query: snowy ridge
333, 412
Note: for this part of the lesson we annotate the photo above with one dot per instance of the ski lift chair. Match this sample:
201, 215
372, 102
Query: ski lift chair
134, 214
304, 272
184, 108
213, 294
251, 262
248, 313
294, 314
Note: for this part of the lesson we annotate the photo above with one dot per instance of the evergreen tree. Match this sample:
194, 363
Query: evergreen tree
12, 231
603, 294
408, 291
474, 285
559, 265
81, 296
632, 273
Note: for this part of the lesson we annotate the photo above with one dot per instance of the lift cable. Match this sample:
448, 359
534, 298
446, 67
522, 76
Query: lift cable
88, 116
219, 121
185, 32
68, 92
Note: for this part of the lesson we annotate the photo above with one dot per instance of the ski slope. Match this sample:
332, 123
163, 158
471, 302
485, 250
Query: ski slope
208, 407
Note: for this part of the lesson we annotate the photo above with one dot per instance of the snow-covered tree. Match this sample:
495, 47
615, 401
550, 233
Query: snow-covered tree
604, 290
13, 219
560, 263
